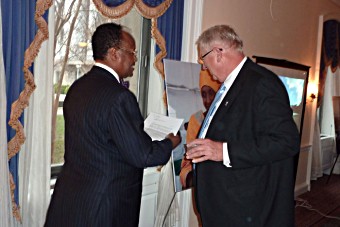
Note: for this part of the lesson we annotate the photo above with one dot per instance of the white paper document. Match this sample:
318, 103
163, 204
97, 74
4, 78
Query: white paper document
158, 126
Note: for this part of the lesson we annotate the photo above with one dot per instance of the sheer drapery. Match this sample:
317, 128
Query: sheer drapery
321, 154
192, 27
316, 169
35, 156
22, 41
328, 87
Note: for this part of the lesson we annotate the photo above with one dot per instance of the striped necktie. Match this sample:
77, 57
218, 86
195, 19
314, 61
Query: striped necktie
212, 109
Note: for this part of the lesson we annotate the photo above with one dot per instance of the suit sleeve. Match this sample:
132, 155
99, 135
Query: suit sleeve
273, 135
127, 132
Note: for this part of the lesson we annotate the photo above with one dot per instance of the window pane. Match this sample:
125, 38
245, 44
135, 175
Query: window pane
73, 54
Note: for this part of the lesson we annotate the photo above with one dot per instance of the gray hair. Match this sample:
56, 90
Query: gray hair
220, 33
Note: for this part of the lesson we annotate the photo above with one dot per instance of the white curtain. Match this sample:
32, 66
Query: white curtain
320, 160
192, 28
316, 170
326, 130
35, 157
156, 87
6, 217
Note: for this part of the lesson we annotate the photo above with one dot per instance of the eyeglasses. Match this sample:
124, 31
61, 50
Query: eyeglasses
201, 59
134, 52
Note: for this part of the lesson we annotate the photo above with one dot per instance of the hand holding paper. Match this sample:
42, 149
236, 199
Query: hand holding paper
176, 140
158, 126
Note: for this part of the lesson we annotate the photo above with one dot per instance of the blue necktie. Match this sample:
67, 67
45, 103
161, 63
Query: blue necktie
206, 119
212, 109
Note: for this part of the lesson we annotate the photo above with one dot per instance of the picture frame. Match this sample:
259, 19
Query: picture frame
295, 78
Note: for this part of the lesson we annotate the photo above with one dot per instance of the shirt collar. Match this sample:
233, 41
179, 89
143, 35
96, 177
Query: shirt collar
232, 76
103, 66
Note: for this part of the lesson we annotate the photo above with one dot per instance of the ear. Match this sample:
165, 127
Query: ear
219, 56
113, 54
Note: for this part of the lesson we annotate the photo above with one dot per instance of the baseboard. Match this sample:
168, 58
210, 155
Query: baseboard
300, 189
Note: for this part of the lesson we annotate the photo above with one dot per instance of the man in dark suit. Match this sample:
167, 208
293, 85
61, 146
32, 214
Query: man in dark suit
106, 148
244, 156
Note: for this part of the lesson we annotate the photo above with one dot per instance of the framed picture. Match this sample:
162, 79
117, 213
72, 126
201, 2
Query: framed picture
295, 78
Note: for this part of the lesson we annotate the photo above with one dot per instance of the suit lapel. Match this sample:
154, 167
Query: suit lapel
235, 88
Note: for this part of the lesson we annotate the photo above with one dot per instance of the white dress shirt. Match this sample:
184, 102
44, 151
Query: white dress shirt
227, 83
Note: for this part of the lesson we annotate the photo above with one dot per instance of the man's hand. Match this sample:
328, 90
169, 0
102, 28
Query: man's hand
201, 150
176, 140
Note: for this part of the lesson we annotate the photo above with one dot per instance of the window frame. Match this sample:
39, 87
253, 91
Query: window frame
144, 57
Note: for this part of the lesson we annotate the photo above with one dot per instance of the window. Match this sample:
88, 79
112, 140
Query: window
75, 23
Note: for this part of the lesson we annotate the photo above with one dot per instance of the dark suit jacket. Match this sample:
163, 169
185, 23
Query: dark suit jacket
255, 119
106, 150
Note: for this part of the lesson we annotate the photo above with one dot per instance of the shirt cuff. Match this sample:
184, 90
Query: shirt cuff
226, 159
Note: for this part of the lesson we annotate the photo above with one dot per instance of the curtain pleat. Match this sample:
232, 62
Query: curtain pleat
35, 155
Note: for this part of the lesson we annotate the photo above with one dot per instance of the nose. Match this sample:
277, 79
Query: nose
209, 100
